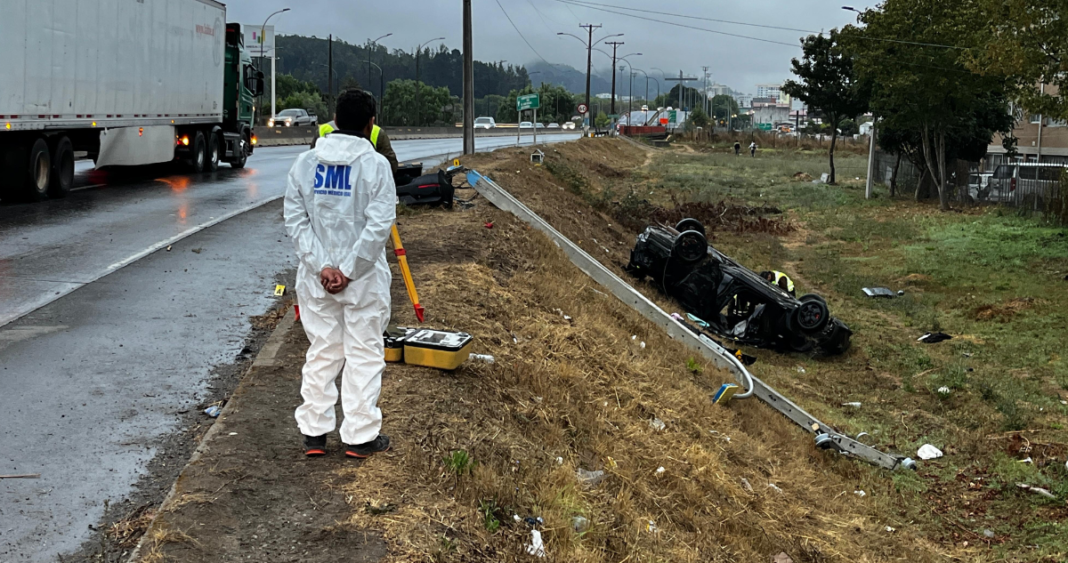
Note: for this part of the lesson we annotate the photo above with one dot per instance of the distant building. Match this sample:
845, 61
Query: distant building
1039, 138
744, 100
768, 90
719, 90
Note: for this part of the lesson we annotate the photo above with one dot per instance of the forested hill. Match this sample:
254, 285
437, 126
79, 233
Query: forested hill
305, 58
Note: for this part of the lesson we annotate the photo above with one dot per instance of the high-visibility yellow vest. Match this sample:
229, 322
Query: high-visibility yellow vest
328, 128
789, 282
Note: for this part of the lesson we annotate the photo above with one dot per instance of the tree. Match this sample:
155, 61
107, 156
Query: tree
829, 84
698, 118
399, 106
724, 106
1023, 41
923, 90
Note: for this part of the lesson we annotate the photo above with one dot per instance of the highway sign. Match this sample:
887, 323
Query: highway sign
582, 109
527, 101
764, 126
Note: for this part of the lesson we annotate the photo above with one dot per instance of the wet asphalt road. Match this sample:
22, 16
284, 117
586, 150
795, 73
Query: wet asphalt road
105, 337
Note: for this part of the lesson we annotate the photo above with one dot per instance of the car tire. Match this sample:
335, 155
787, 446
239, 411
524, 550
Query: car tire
810, 317
690, 247
212, 161
199, 156
62, 169
811, 297
691, 224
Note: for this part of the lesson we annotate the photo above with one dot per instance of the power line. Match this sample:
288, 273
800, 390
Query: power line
592, 4
601, 7
544, 21
572, 2
521, 33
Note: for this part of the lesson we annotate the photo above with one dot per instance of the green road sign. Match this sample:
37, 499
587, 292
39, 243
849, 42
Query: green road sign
527, 101
764, 126
673, 116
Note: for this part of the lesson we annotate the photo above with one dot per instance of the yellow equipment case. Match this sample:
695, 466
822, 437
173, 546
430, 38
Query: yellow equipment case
437, 348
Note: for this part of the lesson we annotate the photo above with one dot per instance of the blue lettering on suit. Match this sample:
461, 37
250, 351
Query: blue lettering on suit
333, 179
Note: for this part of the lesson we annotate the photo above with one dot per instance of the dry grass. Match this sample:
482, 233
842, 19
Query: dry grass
158, 537
739, 483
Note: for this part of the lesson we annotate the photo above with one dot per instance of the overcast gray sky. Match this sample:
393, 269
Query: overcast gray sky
738, 62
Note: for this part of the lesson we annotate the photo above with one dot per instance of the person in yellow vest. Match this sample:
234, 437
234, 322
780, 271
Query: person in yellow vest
378, 138
780, 279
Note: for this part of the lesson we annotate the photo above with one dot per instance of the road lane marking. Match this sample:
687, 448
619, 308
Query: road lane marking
139, 255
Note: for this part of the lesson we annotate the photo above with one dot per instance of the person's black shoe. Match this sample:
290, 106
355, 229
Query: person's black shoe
315, 446
364, 451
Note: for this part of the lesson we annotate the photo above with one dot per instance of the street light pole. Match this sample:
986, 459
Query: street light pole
418, 84
469, 82
615, 45
263, 30
381, 91
369, 43
589, 43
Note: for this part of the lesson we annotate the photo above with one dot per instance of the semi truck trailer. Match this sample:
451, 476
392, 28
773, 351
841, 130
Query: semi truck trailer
127, 82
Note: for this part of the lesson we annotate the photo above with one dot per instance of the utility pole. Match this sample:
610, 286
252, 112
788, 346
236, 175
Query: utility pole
706, 105
871, 163
469, 84
589, 60
615, 45
682, 80
330, 71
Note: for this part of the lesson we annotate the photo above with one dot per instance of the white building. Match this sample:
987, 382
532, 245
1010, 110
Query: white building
744, 100
768, 90
719, 90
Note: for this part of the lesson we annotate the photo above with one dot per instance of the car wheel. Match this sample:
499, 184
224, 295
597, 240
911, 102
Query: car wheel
810, 317
690, 224
812, 297
62, 169
690, 247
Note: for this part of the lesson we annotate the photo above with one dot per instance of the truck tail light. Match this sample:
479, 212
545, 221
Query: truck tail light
255, 139
183, 140
140, 131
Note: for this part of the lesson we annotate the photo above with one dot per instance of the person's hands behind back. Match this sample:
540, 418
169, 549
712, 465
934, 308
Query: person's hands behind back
333, 280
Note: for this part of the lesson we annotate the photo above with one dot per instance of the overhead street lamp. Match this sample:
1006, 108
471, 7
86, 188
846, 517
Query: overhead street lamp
852, 9
630, 89
369, 43
263, 30
589, 43
381, 89
418, 84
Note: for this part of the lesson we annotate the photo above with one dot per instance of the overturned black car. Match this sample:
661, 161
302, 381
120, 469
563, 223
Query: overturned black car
735, 302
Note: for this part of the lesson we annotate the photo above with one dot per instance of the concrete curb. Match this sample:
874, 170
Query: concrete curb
265, 358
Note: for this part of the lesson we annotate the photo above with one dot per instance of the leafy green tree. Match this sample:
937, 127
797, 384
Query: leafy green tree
829, 84
925, 90
724, 106
698, 118
602, 120
848, 127
1024, 41
402, 107
309, 101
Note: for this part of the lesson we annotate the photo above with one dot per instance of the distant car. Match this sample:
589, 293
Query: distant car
540, 125
554, 126
485, 123
293, 118
568, 125
645, 108
526, 125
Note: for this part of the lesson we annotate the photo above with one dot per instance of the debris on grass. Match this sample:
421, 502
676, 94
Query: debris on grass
802, 177
589, 479
580, 524
536, 546
934, 337
782, 557
1037, 490
657, 424
927, 451
884, 292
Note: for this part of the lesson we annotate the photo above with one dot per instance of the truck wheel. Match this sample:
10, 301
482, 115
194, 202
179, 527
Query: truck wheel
62, 169
242, 155
213, 153
199, 156
38, 172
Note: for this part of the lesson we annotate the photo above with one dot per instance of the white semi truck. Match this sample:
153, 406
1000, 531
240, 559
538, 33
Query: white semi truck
128, 82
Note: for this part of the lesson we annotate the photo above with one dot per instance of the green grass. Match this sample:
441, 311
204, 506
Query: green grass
1006, 372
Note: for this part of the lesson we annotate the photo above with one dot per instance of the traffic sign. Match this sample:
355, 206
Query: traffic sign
527, 101
764, 126
582, 109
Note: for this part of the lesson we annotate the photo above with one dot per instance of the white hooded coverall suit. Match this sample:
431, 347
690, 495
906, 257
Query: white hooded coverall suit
340, 205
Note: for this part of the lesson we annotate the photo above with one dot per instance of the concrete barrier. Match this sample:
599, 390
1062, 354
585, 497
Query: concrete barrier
285, 136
